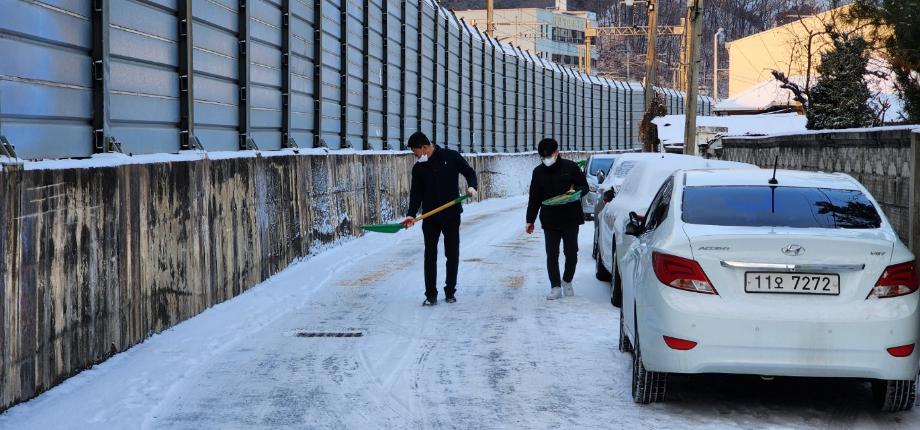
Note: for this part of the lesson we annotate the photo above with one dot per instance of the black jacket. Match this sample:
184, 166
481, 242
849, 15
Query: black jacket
437, 181
552, 181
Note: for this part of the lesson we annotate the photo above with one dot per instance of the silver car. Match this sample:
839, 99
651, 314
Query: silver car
596, 169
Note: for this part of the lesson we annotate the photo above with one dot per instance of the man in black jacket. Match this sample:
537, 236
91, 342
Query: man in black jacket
553, 177
435, 181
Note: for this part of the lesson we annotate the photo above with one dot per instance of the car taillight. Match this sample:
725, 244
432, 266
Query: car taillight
681, 273
679, 344
896, 280
901, 351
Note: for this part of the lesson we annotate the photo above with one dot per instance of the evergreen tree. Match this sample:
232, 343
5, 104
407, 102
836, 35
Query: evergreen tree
840, 98
898, 22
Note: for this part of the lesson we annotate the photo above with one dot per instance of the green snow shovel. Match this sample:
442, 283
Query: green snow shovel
562, 199
395, 227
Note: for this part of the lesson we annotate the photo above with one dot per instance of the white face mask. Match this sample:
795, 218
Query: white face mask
549, 161
422, 159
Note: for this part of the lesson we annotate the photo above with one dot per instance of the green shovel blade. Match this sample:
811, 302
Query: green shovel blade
394, 228
383, 228
563, 199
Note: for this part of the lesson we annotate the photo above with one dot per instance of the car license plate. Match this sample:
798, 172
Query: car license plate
793, 283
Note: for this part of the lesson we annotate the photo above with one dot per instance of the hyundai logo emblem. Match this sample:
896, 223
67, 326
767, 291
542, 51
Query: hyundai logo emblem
793, 250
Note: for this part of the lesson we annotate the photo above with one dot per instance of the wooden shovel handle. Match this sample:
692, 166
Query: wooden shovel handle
436, 210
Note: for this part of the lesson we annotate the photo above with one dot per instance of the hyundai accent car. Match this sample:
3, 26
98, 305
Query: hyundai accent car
773, 274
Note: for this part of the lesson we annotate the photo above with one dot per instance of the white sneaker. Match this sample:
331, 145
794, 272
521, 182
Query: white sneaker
554, 293
567, 289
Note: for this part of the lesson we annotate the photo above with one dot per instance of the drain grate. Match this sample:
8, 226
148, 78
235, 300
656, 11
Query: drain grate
329, 334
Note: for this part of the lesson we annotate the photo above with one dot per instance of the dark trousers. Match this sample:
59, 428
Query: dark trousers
569, 238
433, 229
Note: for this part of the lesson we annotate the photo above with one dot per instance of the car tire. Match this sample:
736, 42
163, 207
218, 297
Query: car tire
600, 272
616, 284
894, 396
594, 251
625, 344
647, 386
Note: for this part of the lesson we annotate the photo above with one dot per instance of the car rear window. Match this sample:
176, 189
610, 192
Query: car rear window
602, 164
765, 206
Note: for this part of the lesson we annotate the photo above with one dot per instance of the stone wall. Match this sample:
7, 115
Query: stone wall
95, 260
881, 160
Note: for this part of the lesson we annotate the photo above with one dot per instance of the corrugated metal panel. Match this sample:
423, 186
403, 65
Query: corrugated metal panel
411, 68
302, 72
465, 82
216, 90
331, 75
354, 35
559, 106
596, 118
428, 72
454, 106
394, 71
375, 82
637, 109
54, 76
144, 85
478, 124
521, 114
489, 96
500, 107
265, 73
511, 101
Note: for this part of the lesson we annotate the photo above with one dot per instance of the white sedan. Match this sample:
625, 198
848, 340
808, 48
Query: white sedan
634, 195
735, 272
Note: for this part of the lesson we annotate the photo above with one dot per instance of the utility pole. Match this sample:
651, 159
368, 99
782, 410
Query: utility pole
715, 64
651, 63
695, 33
490, 22
589, 34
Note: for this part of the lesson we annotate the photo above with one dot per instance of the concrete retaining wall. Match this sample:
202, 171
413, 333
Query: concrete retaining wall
93, 261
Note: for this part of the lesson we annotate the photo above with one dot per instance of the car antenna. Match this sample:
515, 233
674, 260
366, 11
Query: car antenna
773, 180
773, 183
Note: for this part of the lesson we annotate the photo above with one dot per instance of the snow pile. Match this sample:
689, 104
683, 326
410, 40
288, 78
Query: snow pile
671, 127
761, 97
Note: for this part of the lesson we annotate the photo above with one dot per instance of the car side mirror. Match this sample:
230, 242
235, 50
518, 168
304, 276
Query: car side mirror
609, 195
634, 227
600, 177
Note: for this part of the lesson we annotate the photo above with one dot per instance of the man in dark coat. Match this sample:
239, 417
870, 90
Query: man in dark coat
555, 176
435, 181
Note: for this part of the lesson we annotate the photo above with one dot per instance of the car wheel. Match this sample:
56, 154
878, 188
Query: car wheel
647, 386
600, 272
594, 251
894, 396
625, 344
616, 284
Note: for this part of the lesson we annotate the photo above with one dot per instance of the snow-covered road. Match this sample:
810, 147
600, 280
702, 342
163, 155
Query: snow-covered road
501, 357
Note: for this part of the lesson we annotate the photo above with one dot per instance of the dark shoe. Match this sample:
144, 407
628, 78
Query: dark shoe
430, 302
451, 299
